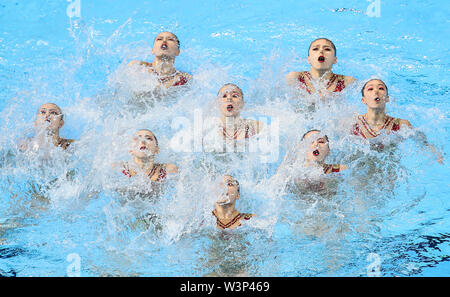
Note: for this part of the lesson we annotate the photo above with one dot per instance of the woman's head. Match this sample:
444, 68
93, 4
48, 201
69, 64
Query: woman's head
230, 99
50, 117
317, 146
231, 191
144, 144
166, 44
375, 94
322, 54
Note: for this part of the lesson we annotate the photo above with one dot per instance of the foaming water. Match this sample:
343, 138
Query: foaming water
54, 202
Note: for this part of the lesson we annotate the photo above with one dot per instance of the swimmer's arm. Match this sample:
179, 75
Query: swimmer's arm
405, 123
291, 78
438, 155
171, 168
342, 167
422, 138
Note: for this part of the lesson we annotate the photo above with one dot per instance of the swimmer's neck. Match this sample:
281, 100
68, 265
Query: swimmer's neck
145, 164
49, 134
375, 116
164, 65
225, 211
231, 121
320, 73
312, 163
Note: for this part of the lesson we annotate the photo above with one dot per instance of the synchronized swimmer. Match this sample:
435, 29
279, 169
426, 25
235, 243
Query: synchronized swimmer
375, 121
49, 120
144, 148
320, 78
226, 214
166, 47
230, 100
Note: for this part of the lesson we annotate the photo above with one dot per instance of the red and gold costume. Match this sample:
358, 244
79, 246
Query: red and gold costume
177, 79
64, 143
363, 129
234, 222
157, 174
330, 168
248, 128
335, 84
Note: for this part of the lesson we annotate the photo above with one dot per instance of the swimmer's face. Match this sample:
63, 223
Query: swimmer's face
144, 144
166, 45
231, 191
230, 100
317, 146
375, 94
321, 55
49, 115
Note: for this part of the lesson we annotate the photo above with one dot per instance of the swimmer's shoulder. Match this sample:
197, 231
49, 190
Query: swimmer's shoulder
186, 75
256, 126
171, 168
64, 143
342, 167
293, 76
181, 79
404, 123
142, 63
241, 217
125, 168
348, 79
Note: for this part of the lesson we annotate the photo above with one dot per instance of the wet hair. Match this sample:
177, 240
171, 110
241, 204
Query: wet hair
231, 84
362, 90
332, 44
238, 186
156, 139
178, 40
313, 130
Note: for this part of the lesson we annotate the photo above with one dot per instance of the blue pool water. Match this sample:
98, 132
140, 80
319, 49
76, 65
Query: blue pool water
397, 216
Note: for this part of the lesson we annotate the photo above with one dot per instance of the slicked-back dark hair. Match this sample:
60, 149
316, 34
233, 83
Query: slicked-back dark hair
313, 130
231, 84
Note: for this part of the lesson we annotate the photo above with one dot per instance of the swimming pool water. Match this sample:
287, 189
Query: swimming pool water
78, 62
